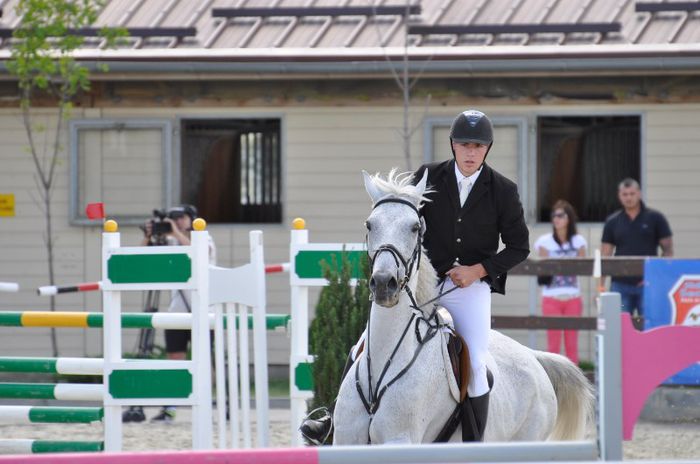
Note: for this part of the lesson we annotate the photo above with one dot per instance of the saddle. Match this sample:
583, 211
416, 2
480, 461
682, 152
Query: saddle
459, 359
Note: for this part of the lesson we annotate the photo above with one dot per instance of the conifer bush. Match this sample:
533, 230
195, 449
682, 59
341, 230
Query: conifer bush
341, 316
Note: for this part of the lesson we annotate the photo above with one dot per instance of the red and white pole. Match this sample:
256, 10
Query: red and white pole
50, 290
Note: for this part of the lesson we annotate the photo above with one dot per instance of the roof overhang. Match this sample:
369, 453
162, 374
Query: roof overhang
475, 61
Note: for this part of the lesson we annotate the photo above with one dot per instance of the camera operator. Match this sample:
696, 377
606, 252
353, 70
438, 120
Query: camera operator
179, 220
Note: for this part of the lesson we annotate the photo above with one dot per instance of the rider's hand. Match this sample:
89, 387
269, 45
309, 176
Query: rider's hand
464, 276
148, 229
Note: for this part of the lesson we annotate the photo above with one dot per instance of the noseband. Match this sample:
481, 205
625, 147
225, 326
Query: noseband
399, 259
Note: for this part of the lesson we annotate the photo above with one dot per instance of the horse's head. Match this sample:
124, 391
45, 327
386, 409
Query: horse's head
394, 233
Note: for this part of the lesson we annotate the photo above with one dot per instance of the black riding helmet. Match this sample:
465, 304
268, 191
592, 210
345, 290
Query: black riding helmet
471, 126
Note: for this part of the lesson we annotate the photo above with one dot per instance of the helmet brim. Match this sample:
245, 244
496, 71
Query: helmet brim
471, 140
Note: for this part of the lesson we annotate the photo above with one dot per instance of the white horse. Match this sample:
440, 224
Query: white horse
536, 395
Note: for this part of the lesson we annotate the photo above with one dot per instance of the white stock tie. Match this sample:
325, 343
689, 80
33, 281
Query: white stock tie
464, 187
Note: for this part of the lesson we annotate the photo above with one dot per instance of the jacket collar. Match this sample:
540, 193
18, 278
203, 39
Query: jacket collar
481, 186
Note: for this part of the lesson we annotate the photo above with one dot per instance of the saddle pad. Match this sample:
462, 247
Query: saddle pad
455, 355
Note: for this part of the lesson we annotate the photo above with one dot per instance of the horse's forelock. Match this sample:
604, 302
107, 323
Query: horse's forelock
398, 184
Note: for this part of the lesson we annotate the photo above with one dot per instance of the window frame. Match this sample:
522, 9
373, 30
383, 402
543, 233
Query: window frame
76, 125
177, 159
531, 208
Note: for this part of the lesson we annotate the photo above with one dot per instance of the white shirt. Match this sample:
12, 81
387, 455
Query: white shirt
468, 179
561, 285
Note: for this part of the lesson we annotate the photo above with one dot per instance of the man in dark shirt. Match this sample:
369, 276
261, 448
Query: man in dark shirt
634, 230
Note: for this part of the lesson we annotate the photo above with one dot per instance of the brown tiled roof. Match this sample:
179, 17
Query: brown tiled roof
368, 31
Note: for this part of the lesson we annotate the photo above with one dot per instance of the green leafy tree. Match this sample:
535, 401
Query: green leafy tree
43, 62
341, 316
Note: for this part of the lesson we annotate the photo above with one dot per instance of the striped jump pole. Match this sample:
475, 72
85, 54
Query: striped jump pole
385, 454
27, 446
65, 366
9, 287
49, 414
52, 391
50, 290
77, 319
277, 268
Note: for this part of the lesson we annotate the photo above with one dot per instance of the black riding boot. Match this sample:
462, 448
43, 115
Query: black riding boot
475, 411
317, 431
480, 410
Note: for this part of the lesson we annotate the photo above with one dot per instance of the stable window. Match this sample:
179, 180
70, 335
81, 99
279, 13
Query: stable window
582, 159
231, 169
123, 164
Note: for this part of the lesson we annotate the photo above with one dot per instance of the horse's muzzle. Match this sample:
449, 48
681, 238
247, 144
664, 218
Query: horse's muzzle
385, 288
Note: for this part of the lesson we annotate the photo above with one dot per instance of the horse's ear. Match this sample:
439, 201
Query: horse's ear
420, 186
374, 193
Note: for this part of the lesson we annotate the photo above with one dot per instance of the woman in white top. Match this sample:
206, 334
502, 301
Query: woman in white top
561, 296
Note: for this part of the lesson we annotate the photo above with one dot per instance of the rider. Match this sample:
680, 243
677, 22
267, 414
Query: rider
471, 206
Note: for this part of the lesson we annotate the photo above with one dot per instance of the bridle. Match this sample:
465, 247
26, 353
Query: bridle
394, 252
374, 396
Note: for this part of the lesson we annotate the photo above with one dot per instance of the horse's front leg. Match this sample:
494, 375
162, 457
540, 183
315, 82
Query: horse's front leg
350, 419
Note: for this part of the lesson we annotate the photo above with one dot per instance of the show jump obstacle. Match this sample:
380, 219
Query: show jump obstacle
130, 382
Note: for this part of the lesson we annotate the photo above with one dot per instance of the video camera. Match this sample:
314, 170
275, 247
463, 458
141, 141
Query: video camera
160, 227
158, 224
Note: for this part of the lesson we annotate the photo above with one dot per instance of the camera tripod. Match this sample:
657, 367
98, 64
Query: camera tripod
144, 350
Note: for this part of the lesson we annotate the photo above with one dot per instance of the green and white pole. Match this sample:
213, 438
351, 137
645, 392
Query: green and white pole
53, 391
66, 366
28, 446
49, 414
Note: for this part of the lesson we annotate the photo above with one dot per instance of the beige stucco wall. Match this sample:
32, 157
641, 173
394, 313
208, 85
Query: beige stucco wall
324, 150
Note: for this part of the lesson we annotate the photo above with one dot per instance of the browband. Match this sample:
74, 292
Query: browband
397, 200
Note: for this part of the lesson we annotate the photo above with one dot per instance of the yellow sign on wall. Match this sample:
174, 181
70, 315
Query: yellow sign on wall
7, 204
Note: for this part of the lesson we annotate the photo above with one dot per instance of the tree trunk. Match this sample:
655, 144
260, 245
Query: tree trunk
49, 254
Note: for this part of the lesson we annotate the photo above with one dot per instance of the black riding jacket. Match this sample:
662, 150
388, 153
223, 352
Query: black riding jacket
470, 234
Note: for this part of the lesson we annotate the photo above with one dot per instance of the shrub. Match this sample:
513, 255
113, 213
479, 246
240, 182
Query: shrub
341, 316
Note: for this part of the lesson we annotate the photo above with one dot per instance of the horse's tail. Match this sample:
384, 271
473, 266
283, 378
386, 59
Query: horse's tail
575, 396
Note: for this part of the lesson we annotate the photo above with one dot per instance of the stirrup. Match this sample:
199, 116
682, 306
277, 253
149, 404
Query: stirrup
325, 415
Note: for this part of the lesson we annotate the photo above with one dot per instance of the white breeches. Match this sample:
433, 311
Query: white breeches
470, 309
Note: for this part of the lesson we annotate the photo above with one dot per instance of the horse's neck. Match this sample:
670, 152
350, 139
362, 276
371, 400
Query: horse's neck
426, 284
386, 327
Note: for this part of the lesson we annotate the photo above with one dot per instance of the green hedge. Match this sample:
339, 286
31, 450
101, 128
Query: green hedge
341, 316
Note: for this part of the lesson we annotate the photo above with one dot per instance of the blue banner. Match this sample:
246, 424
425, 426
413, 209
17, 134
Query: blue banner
672, 297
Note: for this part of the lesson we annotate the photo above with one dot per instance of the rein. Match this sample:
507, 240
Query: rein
374, 396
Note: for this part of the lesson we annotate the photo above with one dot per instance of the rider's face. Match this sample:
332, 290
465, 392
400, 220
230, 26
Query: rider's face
469, 156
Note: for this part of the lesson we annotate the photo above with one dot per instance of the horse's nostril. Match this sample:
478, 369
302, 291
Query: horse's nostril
372, 284
392, 285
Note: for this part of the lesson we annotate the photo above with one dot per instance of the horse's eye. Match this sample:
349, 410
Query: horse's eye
416, 227
368, 225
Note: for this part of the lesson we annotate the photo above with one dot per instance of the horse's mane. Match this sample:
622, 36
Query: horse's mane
399, 184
